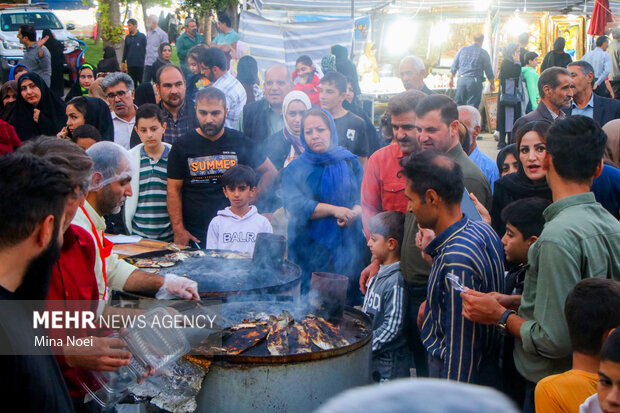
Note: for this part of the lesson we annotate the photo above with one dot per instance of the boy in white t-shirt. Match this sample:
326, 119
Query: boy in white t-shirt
236, 227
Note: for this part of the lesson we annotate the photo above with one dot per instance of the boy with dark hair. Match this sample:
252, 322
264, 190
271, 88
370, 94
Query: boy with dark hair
524, 223
145, 212
235, 227
85, 136
591, 314
467, 251
609, 375
386, 298
351, 128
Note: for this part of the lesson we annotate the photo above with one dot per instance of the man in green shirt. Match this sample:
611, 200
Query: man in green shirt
186, 41
227, 35
580, 240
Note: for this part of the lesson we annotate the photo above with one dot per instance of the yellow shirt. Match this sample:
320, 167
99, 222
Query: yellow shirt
564, 393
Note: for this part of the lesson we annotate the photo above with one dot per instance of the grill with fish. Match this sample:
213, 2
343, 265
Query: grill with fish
264, 334
218, 271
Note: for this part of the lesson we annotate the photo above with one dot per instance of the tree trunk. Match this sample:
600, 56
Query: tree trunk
231, 12
145, 14
208, 28
114, 17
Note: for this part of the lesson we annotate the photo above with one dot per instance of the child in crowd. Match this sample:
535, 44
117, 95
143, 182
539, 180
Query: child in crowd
236, 227
350, 128
592, 312
146, 212
608, 398
306, 79
86, 136
524, 223
386, 298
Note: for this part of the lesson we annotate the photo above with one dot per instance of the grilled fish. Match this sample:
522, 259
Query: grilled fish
323, 334
299, 341
277, 340
241, 340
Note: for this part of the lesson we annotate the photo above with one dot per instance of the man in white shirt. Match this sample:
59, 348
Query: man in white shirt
110, 186
119, 90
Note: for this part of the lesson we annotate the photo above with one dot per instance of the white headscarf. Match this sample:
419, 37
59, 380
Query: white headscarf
288, 99
296, 147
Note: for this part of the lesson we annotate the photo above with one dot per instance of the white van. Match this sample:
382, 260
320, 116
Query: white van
13, 16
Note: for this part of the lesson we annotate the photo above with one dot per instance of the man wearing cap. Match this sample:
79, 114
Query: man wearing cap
109, 187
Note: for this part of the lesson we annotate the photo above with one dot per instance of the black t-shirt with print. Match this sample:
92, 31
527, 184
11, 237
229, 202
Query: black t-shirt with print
351, 131
200, 163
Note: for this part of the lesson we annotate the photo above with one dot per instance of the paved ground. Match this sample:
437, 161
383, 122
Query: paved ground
488, 145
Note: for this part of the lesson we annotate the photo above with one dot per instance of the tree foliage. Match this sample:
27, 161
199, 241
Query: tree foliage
207, 7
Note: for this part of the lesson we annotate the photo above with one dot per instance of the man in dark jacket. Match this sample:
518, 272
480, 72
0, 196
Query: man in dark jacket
585, 101
556, 92
134, 52
261, 119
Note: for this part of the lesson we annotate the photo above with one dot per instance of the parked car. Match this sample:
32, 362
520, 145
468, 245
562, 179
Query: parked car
11, 50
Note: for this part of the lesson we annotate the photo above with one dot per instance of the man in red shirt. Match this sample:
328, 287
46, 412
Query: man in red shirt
382, 187
73, 276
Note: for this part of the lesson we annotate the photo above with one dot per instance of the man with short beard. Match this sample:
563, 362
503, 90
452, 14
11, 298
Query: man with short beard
179, 115
197, 162
34, 194
109, 187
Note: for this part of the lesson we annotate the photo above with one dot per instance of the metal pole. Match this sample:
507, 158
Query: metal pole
353, 18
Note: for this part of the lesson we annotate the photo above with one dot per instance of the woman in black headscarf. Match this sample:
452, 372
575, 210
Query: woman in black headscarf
83, 110
8, 97
346, 67
163, 58
247, 75
509, 106
557, 56
86, 75
38, 111
529, 180
507, 160
57, 52
109, 63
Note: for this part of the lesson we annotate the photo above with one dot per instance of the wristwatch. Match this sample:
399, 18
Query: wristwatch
501, 324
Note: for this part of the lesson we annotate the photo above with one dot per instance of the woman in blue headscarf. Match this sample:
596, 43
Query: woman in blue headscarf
321, 195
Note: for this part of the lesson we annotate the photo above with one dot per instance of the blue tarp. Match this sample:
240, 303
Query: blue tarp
272, 42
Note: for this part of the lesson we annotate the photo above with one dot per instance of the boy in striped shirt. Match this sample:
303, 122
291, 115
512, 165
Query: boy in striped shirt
146, 213
386, 298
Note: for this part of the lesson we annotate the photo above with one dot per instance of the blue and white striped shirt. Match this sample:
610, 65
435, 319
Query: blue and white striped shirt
473, 251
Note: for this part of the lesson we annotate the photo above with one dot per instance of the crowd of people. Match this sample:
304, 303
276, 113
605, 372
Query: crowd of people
503, 273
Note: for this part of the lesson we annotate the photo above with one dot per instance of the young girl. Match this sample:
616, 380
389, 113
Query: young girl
306, 79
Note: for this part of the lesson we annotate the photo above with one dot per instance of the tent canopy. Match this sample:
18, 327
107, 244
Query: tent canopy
343, 7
